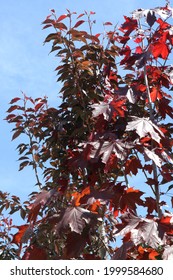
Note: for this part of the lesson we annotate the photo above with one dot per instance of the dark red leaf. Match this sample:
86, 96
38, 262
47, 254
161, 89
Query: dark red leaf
40, 200
14, 100
35, 252
129, 25
164, 108
75, 244
38, 106
130, 199
60, 25
121, 253
132, 165
79, 23
151, 204
76, 218
151, 18
12, 108
17, 133
107, 23
10, 117
47, 26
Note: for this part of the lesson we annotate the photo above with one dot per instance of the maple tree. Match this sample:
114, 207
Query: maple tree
113, 124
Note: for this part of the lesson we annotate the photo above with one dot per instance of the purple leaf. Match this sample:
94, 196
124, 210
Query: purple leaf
142, 230
76, 218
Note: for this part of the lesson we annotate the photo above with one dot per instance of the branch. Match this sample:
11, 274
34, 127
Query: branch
151, 112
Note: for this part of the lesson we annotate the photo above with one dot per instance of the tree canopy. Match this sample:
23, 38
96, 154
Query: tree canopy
114, 124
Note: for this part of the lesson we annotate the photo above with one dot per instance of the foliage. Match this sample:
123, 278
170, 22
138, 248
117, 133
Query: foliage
114, 123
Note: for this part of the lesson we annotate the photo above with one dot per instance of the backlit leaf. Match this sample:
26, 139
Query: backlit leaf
144, 126
160, 49
20, 236
142, 230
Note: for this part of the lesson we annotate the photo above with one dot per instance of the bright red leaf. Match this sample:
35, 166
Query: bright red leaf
23, 234
160, 49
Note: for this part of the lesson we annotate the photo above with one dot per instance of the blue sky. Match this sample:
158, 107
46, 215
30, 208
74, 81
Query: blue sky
27, 66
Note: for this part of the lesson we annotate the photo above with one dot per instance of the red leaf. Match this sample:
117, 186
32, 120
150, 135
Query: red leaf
163, 24
98, 35
40, 200
81, 15
166, 220
38, 105
79, 23
34, 252
17, 133
151, 204
19, 237
48, 20
138, 40
60, 25
164, 108
129, 25
10, 117
160, 49
62, 17
155, 94
75, 243
139, 50
130, 198
118, 106
124, 199
12, 108
121, 253
75, 218
108, 23
14, 100
47, 26
106, 148
132, 165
